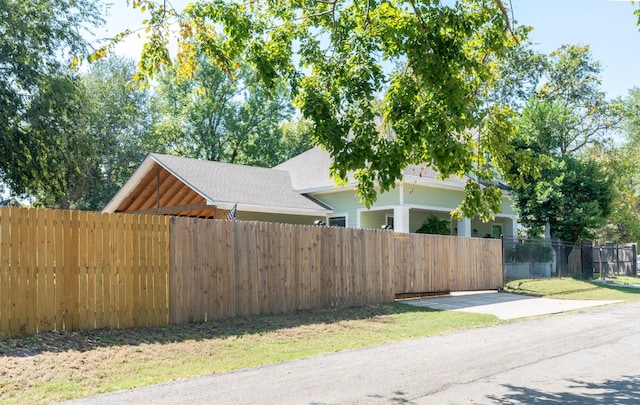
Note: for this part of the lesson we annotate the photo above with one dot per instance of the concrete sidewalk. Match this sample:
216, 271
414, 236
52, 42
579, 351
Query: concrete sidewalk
503, 305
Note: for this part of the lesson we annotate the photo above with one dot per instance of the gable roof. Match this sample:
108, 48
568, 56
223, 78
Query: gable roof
212, 183
309, 172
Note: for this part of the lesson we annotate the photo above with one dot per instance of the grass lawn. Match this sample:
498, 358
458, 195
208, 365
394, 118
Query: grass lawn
571, 288
56, 366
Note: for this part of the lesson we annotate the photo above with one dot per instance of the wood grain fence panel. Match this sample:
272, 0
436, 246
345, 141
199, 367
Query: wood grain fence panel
46, 288
100, 253
134, 262
130, 257
159, 272
203, 268
152, 314
355, 256
110, 279
305, 267
282, 267
113, 267
178, 272
6, 281
262, 275
279, 269
254, 269
229, 280
158, 275
21, 308
316, 263
243, 253
30, 258
82, 271
55, 259
121, 250
219, 242
208, 272
192, 289
18, 281
327, 242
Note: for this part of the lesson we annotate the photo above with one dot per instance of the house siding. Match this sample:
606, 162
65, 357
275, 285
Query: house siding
424, 200
415, 194
348, 202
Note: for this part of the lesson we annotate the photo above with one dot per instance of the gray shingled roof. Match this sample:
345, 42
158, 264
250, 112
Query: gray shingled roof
310, 171
231, 183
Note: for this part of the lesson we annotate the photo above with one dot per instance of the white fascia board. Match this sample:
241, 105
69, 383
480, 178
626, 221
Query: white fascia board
326, 189
130, 185
428, 181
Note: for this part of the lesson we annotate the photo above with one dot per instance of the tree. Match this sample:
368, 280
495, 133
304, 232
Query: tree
119, 126
84, 135
38, 38
430, 61
54, 145
564, 116
215, 117
623, 225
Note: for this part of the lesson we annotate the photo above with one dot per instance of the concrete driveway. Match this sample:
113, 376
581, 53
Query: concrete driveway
503, 305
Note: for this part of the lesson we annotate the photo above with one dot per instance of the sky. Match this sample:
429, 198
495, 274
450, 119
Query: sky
607, 26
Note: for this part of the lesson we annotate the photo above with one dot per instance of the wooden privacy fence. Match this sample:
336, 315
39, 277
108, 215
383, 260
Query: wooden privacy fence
615, 259
221, 268
70, 270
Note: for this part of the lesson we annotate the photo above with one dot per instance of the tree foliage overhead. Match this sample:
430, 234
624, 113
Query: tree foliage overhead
430, 62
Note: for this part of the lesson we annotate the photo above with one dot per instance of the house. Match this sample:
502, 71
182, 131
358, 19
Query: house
298, 191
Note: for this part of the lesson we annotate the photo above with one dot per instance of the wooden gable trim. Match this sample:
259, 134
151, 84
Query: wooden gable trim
160, 192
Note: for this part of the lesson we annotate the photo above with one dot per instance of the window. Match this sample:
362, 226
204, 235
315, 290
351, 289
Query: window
338, 221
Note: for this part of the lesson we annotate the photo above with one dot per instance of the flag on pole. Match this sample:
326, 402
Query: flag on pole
231, 216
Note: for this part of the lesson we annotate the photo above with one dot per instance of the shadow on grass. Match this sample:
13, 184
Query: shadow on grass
613, 392
82, 341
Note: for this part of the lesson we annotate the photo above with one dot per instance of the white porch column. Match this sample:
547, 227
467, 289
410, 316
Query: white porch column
401, 219
510, 230
464, 227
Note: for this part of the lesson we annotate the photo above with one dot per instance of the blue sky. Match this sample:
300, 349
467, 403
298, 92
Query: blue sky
607, 26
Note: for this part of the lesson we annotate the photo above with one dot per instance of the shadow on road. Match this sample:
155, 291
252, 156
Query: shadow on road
612, 392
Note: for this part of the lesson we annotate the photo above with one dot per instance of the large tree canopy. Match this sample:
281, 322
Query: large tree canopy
623, 225
565, 116
432, 64
210, 116
39, 37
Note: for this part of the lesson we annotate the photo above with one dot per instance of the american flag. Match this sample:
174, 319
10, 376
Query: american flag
231, 216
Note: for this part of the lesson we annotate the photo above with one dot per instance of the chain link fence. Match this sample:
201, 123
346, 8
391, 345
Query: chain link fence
538, 258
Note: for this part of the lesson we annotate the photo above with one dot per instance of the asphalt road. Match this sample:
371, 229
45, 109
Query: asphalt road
588, 357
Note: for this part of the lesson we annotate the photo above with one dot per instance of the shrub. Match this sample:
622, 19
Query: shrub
435, 226
529, 251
